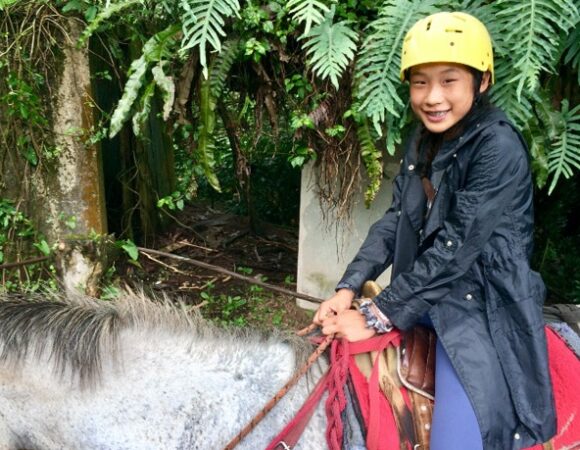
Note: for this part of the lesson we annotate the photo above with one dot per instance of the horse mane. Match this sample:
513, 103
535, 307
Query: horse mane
75, 332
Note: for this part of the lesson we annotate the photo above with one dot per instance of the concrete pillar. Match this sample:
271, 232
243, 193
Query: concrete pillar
74, 206
325, 249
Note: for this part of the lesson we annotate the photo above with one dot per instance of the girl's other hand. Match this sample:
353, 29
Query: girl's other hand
349, 324
339, 302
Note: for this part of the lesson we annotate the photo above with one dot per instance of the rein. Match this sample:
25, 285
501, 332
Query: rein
283, 391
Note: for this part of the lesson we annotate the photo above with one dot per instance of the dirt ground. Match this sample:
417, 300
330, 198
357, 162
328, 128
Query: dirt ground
223, 239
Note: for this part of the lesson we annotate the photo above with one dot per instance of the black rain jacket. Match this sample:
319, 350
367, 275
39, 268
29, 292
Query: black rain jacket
466, 265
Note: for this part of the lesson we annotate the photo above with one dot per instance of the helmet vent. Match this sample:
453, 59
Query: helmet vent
451, 30
428, 25
452, 44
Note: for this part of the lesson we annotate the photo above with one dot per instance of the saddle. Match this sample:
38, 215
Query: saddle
407, 379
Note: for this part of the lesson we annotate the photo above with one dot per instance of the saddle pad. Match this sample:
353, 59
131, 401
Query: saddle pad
564, 370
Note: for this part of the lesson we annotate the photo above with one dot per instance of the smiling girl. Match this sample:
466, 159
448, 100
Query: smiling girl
459, 238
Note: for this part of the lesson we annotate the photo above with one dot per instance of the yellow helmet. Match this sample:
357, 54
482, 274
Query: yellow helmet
452, 37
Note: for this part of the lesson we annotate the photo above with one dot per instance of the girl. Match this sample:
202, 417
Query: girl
459, 237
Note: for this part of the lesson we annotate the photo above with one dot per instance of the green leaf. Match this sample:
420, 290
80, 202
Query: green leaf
205, 145
43, 247
529, 31
564, 156
572, 50
131, 249
6, 3
154, 50
331, 47
308, 11
204, 24
380, 90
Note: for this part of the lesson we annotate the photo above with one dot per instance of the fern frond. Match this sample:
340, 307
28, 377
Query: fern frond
308, 11
504, 94
205, 25
110, 11
572, 50
530, 30
380, 89
331, 47
564, 156
221, 65
154, 50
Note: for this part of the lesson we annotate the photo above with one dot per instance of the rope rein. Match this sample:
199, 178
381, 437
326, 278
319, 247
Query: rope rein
284, 390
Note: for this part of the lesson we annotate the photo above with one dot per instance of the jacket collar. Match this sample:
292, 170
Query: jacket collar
474, 124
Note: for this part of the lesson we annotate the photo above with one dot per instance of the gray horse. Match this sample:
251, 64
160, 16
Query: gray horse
136, 374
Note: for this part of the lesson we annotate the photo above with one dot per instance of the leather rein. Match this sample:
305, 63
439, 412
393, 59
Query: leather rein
283, 391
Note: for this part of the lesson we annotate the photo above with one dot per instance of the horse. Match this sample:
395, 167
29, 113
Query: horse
136, 373
139, 374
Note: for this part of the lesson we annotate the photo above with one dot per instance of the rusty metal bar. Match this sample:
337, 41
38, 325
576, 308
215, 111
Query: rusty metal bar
221, 270
23, 263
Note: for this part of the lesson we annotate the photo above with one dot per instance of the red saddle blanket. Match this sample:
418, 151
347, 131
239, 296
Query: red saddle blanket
565, 372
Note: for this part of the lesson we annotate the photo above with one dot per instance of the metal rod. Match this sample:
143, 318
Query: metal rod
232, 274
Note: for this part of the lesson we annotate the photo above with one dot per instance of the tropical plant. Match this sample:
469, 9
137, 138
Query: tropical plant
533, 40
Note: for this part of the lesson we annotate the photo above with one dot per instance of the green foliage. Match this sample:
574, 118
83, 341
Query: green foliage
331, 47
300, 156
155, 49
173, 202
564, 156
14, 225
225, 309
572, 50
204, 25
372, 159
379, 88
110, 11
210, 89
308, 12
129, 247
557, 241
19, 240
6, 3
528, 28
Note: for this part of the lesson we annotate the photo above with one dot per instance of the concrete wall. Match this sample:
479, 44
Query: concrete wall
324, 250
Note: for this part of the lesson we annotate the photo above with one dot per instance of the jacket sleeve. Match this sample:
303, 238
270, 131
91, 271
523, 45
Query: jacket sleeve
498, 167
376, 252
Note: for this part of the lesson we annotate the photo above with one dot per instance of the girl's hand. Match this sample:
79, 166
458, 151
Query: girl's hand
349, 324
339, 302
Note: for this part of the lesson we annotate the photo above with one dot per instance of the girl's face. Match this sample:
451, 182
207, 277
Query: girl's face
442, 94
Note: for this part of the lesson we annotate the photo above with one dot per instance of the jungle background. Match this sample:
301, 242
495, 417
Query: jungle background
196, 117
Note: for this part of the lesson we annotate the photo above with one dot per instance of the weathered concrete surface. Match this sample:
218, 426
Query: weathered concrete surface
73, 194
325, 249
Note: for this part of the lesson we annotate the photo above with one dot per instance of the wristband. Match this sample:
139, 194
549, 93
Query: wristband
374, 317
